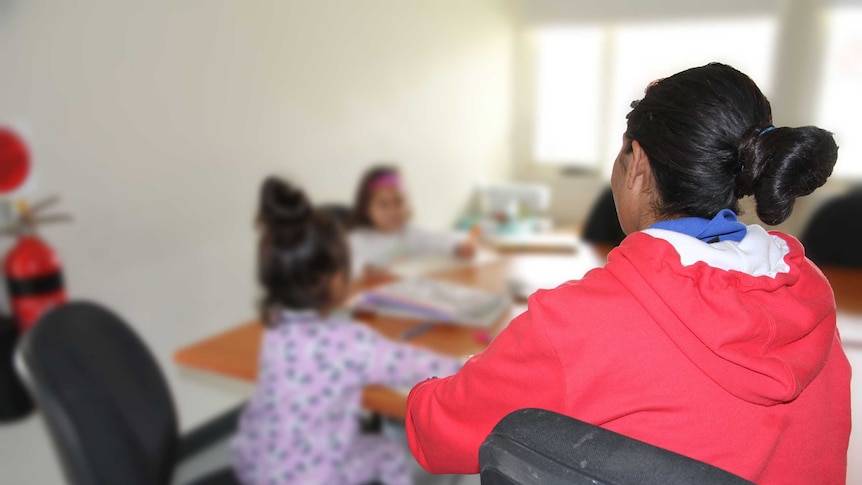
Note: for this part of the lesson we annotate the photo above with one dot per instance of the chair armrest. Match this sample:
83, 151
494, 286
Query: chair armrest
204, 452
215, 430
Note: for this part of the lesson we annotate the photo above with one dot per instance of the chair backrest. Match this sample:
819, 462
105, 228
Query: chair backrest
104, 399
15, 403
603, 225
833, 233
534, 446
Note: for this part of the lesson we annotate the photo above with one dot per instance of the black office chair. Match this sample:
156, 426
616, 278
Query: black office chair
603, 225
833, 234
15, 403
534, 446
106, 403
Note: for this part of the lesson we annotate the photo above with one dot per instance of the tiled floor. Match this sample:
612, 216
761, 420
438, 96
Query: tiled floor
26, 456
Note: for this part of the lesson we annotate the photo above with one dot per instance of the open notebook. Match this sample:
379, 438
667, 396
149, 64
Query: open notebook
422, 298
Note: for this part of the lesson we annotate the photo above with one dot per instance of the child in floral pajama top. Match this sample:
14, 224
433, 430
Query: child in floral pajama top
301, 423
300, 426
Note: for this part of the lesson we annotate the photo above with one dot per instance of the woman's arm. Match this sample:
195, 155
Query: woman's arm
447, 419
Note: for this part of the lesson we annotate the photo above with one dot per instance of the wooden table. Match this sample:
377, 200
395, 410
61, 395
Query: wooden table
234, 352
847, 286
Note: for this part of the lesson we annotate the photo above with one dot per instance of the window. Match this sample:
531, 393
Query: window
569, 62
840, 101
588, 75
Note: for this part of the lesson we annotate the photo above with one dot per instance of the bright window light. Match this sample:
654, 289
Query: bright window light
569, 104
649, 51
588, 76
840, 100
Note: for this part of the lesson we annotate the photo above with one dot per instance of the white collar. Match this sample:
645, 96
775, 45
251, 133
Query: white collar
758, 254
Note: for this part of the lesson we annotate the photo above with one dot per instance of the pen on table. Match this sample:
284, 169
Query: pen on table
416, 331
483, 337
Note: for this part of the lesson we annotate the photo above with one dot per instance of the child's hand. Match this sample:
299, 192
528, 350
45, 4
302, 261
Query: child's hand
465, 250
372, 272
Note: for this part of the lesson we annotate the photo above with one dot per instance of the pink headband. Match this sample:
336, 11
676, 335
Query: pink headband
386, 180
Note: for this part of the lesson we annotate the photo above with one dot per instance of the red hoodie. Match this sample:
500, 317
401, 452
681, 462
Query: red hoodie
725, 352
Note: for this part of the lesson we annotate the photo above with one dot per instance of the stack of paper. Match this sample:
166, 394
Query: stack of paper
439, 301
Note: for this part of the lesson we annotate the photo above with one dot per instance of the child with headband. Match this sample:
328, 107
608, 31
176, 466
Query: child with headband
382, 234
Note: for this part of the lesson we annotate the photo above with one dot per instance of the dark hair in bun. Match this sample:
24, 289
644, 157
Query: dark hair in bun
708, 134
783, 164
300, 250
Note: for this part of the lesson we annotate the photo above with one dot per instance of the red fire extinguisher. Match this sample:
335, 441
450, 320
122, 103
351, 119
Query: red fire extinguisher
34, 274
34, 278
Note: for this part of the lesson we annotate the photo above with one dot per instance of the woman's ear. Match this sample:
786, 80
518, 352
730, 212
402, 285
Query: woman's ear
639, 172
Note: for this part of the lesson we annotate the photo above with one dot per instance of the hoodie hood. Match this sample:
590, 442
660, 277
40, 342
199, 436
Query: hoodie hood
755, 316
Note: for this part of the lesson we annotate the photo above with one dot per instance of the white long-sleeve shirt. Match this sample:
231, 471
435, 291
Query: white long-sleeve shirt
370, 247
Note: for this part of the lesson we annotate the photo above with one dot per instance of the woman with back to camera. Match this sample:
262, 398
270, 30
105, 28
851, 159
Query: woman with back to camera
700, 335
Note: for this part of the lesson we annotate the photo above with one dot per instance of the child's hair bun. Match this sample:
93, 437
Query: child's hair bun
284, 210
300, 250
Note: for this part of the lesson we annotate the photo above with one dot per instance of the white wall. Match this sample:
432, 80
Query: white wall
156, 121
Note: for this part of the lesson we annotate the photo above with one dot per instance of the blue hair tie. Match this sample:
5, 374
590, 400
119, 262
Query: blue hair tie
766, 130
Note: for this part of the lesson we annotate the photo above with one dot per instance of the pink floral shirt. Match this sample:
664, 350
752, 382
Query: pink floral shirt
300, 425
